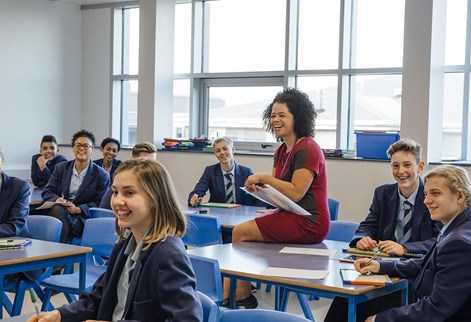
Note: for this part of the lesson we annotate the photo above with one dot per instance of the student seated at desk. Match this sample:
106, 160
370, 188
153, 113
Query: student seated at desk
398, 218
149, 275
14, 209
299, 173
441, 278
78, 184
223, 179
144, 150
110, 148
43, 163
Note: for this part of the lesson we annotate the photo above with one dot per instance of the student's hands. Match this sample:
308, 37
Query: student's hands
366, 243
195, 200
391, 247
41, 161
364, 268
72, 209
369, 319
255, 181
53, 316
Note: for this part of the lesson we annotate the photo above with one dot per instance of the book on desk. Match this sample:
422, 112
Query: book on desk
14, 243
220, 205
352, 276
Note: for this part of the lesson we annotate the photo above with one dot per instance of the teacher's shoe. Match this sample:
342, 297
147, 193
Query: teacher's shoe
249, 302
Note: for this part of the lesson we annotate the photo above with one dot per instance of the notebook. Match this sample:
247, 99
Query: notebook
351, 276
220, 205
364, 252
14, 243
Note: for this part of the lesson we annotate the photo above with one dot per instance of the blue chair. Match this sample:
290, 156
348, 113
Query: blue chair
100, 235
202, 230
42, 228
96, 212
208, 277
342, 230
333, 209
210, 309
259, 315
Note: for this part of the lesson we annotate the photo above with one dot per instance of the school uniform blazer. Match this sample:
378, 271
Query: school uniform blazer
380, 224
114, 166
441, 278
212, 179
40, 178
14, 207
90, 192
162, 288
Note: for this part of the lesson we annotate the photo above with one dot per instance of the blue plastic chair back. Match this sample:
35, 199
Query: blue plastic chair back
259, 315
202, 230
100, 234
210, 309
333, 209
342, 230
96, 212
208, 277
44, 227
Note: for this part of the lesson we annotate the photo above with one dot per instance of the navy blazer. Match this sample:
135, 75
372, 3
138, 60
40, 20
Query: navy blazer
162, 287
94, 185
14, 207
380, 224
114, 166
40, 178
441, 278
212, 179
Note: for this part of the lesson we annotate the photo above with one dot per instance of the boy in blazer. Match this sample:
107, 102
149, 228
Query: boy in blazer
44, 163
214, 180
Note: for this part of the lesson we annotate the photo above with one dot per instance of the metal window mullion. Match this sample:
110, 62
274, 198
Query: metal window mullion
466, 140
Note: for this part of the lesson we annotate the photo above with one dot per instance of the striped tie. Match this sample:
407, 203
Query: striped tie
407, 222
229, 188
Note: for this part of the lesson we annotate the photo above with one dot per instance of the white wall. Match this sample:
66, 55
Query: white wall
40, 72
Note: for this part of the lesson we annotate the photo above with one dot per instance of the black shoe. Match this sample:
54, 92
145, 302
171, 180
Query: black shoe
253, 288
225, 303
249, 302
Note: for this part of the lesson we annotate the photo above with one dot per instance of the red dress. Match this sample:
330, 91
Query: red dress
287, 227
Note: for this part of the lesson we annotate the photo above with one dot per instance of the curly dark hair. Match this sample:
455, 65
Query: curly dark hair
300, 106
84, 133
110, 140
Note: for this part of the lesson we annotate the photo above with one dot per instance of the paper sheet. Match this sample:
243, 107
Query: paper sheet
308, 251
275, 198
295, 273
49, 204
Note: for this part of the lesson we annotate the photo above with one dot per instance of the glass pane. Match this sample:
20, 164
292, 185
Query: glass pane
377, 102
181, 108
455, 32
182, 52
318, 35
379, 33
236, 112
452, 116
131, 41
323, 92
129, 112
246, 35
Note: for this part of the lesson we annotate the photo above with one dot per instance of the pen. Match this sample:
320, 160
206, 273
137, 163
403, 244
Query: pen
374, 256
33, 299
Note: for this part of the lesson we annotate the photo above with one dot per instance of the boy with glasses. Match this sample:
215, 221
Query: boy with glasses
77, 185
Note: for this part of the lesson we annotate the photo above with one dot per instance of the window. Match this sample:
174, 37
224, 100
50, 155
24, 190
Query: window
125, 73
347, 55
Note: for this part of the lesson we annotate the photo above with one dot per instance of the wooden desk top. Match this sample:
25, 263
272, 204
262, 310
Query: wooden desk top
250, 259
230, 217
39, 250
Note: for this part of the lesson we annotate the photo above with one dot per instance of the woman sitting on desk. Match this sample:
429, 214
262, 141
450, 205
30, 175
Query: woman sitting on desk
298, 172
441, 277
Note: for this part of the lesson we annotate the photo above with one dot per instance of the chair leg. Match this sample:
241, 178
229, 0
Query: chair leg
7, 303
47, 305
302, 298
70, 297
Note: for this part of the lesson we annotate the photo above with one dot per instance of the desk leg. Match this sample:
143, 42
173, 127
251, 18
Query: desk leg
82, 275
352, 309
232, 296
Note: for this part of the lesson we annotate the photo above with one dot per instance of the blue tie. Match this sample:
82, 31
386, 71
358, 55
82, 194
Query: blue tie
229, 189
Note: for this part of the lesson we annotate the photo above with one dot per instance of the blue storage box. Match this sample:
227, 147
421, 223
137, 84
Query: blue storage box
373, 145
